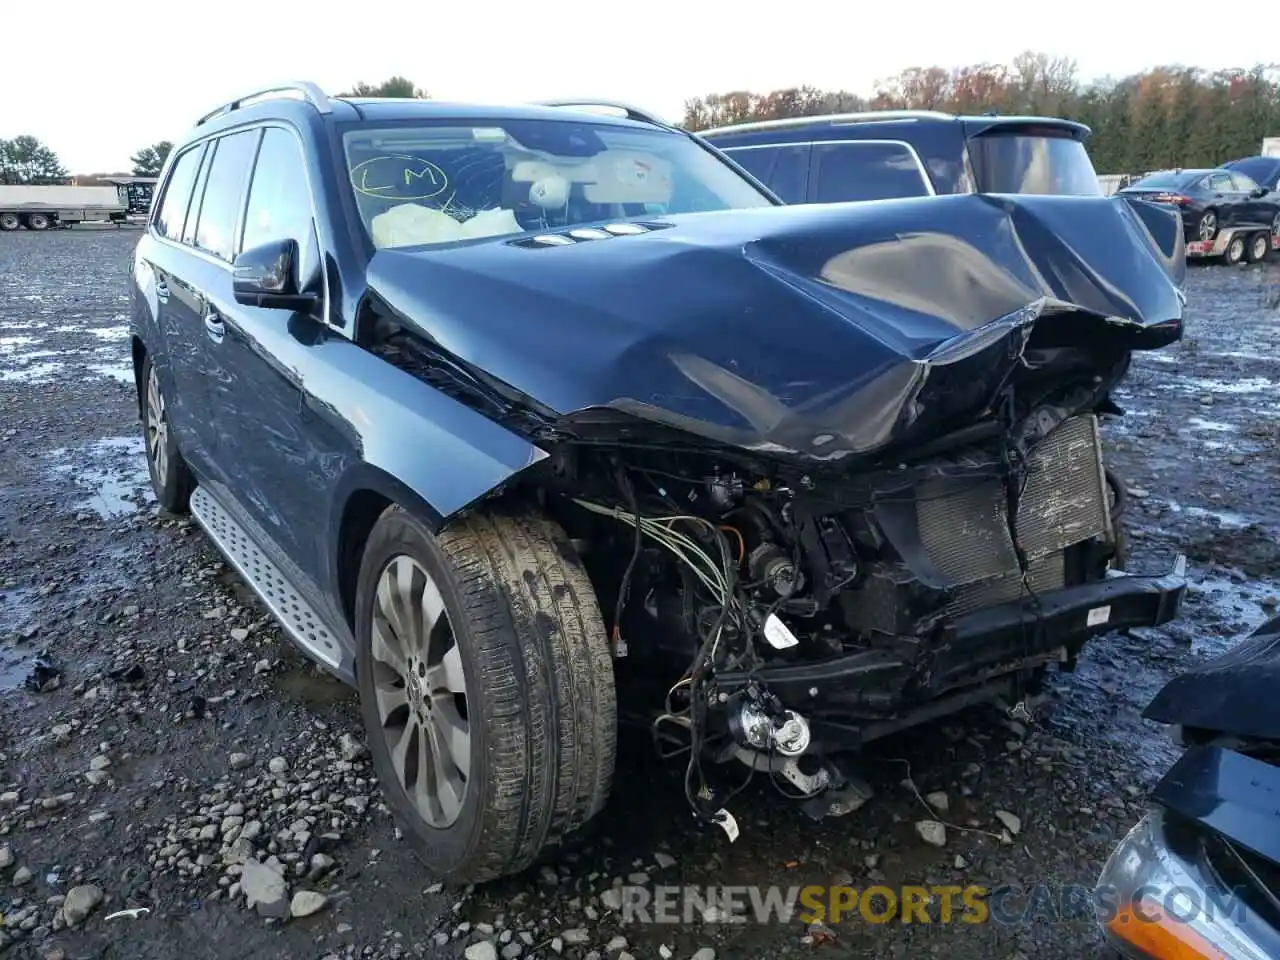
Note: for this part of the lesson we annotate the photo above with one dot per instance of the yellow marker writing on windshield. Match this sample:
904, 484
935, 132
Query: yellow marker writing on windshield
398, 176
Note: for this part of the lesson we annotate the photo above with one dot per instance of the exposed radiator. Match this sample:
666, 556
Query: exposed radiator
963, 525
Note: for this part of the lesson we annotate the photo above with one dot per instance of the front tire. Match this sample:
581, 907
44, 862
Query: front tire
170, 476
486, 688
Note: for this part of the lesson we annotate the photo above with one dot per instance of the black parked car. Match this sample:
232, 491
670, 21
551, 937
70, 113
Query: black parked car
509, 413
910, 153
1224, 212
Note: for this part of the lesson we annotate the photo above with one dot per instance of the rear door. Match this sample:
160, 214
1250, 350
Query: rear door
1222, 195
847, 170
782, 167
210, 235
177, 357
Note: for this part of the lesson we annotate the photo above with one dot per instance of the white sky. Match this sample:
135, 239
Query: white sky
97, 81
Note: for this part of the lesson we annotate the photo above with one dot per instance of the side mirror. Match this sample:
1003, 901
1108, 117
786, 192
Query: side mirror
1260, 192
267, 276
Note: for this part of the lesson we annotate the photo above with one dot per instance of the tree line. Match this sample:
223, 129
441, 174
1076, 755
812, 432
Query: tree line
1163, 117
1160, 118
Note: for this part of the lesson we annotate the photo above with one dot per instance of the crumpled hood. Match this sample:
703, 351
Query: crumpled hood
818, 331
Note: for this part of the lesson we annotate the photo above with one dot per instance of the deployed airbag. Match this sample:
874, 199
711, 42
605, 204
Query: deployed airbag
412, 224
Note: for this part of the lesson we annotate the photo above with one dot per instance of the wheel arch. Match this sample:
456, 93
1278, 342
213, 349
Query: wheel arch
368, 489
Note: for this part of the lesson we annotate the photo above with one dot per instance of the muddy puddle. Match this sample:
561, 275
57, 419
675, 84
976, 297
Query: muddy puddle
110, 475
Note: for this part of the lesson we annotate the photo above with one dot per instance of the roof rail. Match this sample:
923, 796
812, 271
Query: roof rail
866, 116
310, 92
630, 112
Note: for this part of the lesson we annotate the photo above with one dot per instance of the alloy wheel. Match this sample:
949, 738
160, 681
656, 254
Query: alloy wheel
421, 691
1208, 226
157, 428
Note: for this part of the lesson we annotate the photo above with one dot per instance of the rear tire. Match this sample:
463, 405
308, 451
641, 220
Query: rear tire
1259, 247
9, 221
38, 221
1207, 228
171, 478
512, 655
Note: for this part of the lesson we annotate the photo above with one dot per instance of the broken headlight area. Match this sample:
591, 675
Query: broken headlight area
782, 617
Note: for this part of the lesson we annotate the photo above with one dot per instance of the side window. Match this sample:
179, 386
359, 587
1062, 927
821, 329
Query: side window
864, 171
1243, 183
189, 234
784, 168
177, 194
1219, 183
279, 205
224, 193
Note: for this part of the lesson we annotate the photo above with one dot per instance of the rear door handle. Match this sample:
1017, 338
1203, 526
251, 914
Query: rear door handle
213, 326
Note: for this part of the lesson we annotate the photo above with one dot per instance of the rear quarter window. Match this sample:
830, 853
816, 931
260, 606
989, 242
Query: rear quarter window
865, 170
177, 194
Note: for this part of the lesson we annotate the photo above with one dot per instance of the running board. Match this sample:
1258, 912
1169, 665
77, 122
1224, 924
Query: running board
298, 617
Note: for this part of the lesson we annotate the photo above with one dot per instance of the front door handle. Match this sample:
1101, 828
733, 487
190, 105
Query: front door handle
214, 327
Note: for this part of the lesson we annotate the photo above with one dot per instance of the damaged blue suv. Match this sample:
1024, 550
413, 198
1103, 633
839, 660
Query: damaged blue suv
524, 419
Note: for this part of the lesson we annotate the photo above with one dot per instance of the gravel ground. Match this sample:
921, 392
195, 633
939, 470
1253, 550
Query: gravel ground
183, 732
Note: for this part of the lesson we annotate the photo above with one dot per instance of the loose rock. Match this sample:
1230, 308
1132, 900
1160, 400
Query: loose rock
264, 890
1010, 821
349, 748
932, 832
307, 902
80, 902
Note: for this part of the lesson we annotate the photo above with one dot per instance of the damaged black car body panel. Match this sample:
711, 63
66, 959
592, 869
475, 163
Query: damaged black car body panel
811, 334
1229, 793
1233, 694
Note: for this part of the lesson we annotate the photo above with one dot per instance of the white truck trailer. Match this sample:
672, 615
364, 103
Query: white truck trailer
39, 208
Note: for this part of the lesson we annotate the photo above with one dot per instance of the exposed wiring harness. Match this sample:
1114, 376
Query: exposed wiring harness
719, 576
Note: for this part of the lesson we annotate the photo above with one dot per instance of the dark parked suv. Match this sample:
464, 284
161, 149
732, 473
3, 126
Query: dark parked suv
910, 153
512, 415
